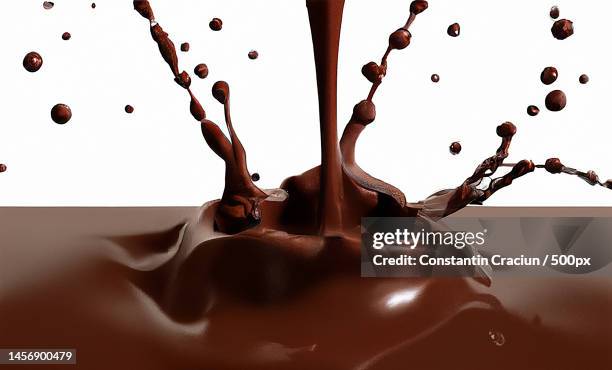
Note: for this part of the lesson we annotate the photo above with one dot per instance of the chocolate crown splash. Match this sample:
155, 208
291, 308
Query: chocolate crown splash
344, 191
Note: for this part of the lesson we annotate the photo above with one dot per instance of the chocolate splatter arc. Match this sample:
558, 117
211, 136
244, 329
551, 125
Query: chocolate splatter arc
549, 75
584, 79
216, 24
455, 148
201, 70
66, 36
61, 114
270, 278
185, 47
32, 62
129, 109
556, 101
562, 29
533, 111
554, 12
435, 78
48, 5
253, 54
454, 30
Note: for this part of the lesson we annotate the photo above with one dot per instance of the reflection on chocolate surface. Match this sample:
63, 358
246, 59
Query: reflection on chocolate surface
32, 61
61, 114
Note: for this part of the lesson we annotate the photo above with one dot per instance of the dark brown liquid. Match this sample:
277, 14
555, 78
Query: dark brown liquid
32, 62
562, 29
455, 148
549, 75
185, 47
201, 70
66, 36
435, 78
584, 79
3, 167
129, 109
556, 101
48, 5
454, 30
61, 114
533, 111
253, 54
93, 5
216, 24
255, 177
554, 12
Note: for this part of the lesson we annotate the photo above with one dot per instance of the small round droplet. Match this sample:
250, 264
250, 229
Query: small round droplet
371, 71
48, 5
455, 148
435, 78
533, 111
562, 29
549, 75
185, 47
554, 12
129, 109
497, 338
183, 79
61, 114
506, 129
220, 91
93, 5
418, 6
32, 61
216, 24
2, 168
253, 54
201, 70
400, 39
364, 112
66, 36
556, 101
454, 30
584, 79
553, 165
255, 177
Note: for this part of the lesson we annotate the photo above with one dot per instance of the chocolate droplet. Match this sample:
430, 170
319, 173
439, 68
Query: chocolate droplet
183, 80
454, 30
556, 101
66, 36
216, 24
32, 62
48, 5
549, 75
253, 54
554, 12
185, 47
562, 29
255, 177
554, 165
220, 91
201, 70
61, 114
144, 8
364, 112
93, 5
506, 129
455, 148
584, 79
418, 6
400, 39
129, 109
371, 71
533, 111
435, 78
2, 168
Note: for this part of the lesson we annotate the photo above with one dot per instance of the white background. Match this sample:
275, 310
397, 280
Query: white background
156, 156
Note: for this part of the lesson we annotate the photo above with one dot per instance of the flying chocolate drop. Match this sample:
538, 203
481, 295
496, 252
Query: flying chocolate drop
216, 24
364, 112
418, 6
533, 111
255, 177
556, 101
584, 79
554, 165
93, 5
549, 75
66, 36
2, 168
61, 114
32, 62
400, 39
129, 109
371, 71
201, 70
144, 8
435, 78
554, 12
506, 129
220, 91
562, 29
48, 5
253, 54
454, 30
183, 80
455, 148
185, 47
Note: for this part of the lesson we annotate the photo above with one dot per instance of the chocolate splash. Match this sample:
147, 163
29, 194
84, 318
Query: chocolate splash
435, 78
556, 101
253, 54
216, 24
549, 75
61, 114
66, 36
554, 12
584, 79
185, 47
129, 109
32, 62
201, 70
533, 111
48, 5
454, 30
3, 167
455, 148
562, 29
